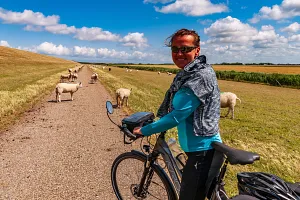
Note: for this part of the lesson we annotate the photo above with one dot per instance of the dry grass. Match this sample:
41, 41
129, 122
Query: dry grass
25, 78
267, 120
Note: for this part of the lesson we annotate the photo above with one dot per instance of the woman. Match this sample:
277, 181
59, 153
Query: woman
192, 103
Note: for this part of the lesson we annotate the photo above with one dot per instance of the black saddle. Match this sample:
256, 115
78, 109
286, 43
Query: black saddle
236, 156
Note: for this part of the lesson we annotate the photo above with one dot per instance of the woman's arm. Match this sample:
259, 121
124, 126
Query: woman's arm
184, 104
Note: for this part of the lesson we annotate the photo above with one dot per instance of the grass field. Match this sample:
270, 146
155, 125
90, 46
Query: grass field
280, 69
267, 120
25, 77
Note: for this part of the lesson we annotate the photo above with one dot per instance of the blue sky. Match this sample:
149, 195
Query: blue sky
135, 30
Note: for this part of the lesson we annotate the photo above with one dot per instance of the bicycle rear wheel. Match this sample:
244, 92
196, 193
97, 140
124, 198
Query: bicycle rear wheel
126, 174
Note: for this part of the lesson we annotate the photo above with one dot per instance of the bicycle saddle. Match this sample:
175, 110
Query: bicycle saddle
236, 156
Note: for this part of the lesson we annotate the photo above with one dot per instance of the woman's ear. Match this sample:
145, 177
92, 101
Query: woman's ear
197, 52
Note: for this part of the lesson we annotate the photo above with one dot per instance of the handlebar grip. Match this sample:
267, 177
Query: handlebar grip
129, 134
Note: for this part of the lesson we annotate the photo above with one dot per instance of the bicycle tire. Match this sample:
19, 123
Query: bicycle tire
163, 190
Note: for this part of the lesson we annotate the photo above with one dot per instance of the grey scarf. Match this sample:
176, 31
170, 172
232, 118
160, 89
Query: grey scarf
201, 79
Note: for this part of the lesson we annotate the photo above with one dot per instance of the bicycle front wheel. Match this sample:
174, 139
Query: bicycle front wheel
126, 174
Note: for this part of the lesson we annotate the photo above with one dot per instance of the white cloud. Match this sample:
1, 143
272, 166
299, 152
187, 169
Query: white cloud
135, 40
95, 33
193, 7
50, 48
230, 30
84, 51
205, 21
27, 17
294, 38
287, 9
293, 28
33, 28
61, 29
4, 43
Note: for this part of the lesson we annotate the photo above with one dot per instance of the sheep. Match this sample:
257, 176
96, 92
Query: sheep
74, 76
122, 94
94, 78
65, 76
70, 70
66, 88
228, 99
158, 73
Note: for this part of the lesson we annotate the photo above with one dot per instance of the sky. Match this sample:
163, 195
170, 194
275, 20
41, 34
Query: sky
134, 31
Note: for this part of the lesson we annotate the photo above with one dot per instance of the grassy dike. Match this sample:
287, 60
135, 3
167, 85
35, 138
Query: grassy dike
25, 78
267, 120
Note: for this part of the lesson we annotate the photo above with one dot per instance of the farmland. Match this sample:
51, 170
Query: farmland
280, 69
266, 120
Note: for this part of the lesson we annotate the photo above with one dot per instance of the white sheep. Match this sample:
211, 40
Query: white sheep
65, 77
122, 94
94, 78
158, 73
228, 99
74, 76
66, 88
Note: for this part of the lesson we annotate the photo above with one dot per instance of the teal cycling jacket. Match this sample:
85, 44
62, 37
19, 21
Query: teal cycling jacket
184, 104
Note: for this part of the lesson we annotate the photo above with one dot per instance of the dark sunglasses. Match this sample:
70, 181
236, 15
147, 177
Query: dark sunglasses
184, 49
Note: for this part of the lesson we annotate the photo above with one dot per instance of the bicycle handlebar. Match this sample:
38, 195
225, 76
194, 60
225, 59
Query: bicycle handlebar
127, 132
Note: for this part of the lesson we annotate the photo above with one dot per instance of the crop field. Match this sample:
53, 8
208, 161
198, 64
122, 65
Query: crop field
24, 78
280, 69
267, 120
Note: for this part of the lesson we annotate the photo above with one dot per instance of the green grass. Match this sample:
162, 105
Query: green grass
266, 122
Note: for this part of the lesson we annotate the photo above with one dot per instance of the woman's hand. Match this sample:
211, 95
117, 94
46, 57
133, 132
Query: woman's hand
137, 131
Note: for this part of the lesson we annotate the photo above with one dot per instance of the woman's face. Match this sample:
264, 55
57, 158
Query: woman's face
182, 59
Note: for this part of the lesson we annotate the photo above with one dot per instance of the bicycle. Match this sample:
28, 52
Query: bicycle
154, 182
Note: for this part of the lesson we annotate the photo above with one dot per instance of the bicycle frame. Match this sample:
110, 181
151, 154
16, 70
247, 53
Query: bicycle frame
162, 148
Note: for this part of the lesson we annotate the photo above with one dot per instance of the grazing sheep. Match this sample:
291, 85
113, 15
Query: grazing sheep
228, 99
66, 88
65, 77
122, 94
74, 76
94, 78
158, 73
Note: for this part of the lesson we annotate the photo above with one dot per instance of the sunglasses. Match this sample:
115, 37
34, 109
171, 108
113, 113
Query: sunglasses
184, 49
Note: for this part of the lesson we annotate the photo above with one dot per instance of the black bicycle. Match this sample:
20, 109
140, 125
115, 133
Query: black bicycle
138, 175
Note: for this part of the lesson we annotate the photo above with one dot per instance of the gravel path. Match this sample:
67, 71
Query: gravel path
62, 150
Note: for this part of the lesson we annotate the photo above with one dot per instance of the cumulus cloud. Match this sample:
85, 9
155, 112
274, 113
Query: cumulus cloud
233, 31
84, 51
230, 30
33, 28
287, 9
4, 43
294, 38
27, 17
135, 40
61, 29
95, 33
193, 7
52, 49
292, 28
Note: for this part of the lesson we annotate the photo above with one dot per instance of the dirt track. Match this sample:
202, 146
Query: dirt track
62, 150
